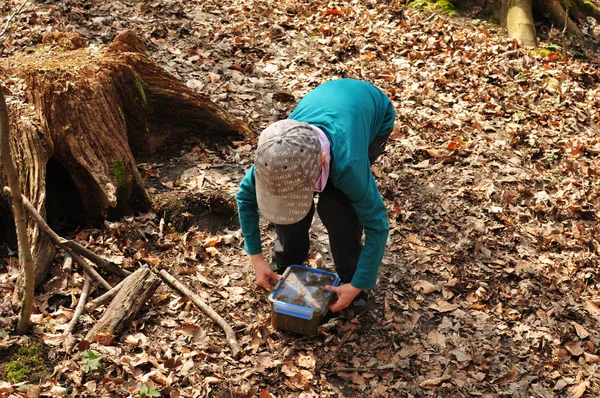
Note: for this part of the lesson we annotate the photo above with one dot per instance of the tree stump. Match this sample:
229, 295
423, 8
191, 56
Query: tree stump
79, 117
136, 290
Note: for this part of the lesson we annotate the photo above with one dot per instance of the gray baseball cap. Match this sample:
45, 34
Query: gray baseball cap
287, 161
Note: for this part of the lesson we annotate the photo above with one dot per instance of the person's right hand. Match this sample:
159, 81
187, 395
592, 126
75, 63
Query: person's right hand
265, 277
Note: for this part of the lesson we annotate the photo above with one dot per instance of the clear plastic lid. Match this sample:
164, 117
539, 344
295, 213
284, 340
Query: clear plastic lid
304, 287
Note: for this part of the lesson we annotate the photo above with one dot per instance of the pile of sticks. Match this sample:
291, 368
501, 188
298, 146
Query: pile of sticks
126, 298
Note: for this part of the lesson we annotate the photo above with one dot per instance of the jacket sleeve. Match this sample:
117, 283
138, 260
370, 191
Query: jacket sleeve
360, 186
389, 118
248, 213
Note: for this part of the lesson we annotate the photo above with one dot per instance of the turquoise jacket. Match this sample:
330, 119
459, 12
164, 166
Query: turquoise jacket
351, 113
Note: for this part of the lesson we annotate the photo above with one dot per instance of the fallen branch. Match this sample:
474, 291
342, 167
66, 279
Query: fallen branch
69, 341
72, 246
106, 297
68, 263
136, 290
7, 286
12, 16
57, 240
93, 257
382, 368
185, 291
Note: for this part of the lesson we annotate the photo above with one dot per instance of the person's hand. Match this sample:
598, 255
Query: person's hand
345, 295
265, 277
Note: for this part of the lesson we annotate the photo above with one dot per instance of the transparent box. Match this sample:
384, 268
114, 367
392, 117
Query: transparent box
299, 300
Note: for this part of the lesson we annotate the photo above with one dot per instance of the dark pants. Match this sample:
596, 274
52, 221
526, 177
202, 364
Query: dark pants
338, 216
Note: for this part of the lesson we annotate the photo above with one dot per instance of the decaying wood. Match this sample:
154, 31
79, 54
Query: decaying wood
106, 297
138, 288
88, 113
187, 292
57, 240
78, 311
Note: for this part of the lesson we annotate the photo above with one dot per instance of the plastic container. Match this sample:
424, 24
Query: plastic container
299, 301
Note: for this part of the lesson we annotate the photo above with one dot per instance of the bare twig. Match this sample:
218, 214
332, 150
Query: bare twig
11, 17
72, 245
564, 33
78, 311
98, 301
57, 240
185, 291
383, 368
68, 263
93, 257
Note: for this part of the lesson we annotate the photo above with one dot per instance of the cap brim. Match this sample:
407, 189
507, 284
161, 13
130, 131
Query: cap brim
284, 209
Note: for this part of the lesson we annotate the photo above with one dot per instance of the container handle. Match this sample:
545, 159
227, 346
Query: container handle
293, 310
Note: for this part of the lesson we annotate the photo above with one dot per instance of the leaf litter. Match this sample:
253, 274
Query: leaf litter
489, 283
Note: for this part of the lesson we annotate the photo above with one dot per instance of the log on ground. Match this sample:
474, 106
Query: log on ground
136, 290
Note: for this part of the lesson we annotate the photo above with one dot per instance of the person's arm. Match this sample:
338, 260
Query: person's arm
248, 215
389, 118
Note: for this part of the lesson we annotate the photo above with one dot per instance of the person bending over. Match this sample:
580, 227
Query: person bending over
325, 148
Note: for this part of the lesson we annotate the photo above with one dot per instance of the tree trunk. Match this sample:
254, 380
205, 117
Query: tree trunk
559, 15
136, 290
519, 22
519, 15
85, 116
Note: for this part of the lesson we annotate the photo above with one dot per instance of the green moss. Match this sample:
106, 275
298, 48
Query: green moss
139, 84
119, 173
444, 6
27, 360
542, 52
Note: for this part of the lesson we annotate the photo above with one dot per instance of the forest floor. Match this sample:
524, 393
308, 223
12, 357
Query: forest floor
489, 285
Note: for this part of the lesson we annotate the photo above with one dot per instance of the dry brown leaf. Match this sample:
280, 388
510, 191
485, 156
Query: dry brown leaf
579, 389
443, 306
591, 358
425, 287
358, 379
408, 351
434, 382
300, 381
461, 354
212, 241
575, 348
592, 307
447, 293
306, 361
581, 331
265, 394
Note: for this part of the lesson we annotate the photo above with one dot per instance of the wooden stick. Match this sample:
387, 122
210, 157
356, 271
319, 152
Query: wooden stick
57, 240
185, 291
138, 288
98, 301
89, 269
93, 257
72, 245
68, 263
11, 17
78, 311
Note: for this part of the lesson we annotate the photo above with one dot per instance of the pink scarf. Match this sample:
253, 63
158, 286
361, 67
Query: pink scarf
323, 173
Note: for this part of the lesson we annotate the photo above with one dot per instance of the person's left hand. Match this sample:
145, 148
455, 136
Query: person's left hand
345, 295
